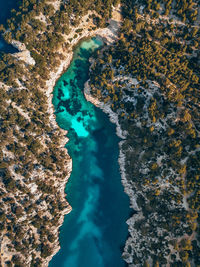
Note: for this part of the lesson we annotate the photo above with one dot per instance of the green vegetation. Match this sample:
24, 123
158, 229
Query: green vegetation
150, 78
43, 38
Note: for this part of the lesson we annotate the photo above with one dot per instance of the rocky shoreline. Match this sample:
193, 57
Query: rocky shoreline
121, 134
121, 160
108, 35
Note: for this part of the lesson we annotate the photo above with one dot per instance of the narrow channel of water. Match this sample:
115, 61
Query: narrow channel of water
94, 233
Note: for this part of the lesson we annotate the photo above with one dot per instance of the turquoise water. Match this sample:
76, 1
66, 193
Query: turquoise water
94, 233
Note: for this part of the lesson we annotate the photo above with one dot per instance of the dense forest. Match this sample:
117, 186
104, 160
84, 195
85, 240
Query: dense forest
150, 78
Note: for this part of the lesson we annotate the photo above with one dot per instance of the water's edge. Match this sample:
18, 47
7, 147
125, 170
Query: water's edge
61, 230
113, 117
109, 35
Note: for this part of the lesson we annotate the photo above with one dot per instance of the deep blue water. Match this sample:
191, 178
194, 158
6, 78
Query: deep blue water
7, 48
5, 9
94, 233
5, 13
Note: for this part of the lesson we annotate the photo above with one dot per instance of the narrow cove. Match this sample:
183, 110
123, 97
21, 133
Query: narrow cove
94, 233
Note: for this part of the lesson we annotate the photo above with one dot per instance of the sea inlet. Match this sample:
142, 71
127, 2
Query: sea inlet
94, 232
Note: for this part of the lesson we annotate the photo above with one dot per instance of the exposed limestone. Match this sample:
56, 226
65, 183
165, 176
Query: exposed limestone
23, 54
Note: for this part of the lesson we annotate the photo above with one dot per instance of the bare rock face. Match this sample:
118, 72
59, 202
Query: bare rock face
24, 53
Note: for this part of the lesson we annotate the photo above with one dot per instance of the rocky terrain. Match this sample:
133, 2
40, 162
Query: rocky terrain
147, 80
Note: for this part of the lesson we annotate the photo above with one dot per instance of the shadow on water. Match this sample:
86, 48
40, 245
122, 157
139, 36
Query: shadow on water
7, 48
95, 231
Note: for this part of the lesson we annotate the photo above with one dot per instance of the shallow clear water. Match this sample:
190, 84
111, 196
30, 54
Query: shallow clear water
94, 233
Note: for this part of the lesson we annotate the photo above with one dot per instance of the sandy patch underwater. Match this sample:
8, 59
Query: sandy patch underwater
95, 231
